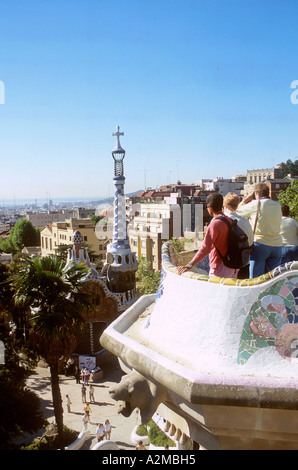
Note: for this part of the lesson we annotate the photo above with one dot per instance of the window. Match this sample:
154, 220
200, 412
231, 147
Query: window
85, 238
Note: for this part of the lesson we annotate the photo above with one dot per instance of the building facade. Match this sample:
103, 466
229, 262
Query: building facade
153, 223
277, 185
224, 186
41, 219
258, 176
57, 234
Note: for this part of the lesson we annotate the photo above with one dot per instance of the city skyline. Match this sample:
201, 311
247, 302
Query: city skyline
200, 88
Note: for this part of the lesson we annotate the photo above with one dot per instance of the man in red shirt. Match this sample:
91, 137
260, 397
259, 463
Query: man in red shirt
216, 237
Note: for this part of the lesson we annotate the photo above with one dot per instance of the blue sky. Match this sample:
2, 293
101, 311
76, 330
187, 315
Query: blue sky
200, 88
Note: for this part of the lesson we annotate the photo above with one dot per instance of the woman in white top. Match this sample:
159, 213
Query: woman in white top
100, 432
107, 428
230, 204
289, 235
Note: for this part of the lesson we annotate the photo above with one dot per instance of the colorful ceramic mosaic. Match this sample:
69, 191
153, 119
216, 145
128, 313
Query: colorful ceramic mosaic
120, 236
273, 321
171, 259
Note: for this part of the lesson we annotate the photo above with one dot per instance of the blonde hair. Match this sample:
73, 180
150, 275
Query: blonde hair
231, 201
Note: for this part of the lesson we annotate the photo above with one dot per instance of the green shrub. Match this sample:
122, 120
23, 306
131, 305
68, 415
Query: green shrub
142, 430
157, 437
46, 442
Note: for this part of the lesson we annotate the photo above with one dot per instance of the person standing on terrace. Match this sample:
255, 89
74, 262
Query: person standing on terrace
216, 238
231, 202
289, 235
264, 215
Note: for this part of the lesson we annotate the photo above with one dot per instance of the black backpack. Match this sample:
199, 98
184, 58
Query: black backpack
238, 252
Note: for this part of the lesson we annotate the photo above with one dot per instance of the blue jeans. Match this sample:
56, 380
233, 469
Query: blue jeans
289, 253
263, 259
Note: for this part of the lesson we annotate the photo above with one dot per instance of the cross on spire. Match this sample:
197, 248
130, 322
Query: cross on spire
117, 134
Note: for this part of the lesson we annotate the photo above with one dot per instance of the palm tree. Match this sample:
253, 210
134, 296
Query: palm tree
53, 291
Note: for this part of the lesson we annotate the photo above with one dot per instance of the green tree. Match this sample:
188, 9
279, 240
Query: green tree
290, 197
19, 407
8, 309
148, 280
95, 218
54, 293
289, 167
24, 234
61, 251
6, 246
178, 244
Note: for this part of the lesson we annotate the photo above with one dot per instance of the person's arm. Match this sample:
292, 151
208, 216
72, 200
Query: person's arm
248, 198
201, 253
247, 209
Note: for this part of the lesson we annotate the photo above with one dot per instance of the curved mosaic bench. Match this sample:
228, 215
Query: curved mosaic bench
223, 354
224, 323
272, 319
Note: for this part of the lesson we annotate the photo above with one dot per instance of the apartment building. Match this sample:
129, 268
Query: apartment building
41, 219
224, 186
154, 223
61, 233
271, 177
258, 176
277, 185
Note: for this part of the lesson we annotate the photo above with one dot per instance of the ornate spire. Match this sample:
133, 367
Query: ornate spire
117, 134
118, 154
121, 260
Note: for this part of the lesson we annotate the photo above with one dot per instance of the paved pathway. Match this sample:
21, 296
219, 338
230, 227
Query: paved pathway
103, 408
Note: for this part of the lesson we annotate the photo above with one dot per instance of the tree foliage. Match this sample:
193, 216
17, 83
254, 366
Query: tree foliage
178, 244
22, 234
290, 197
95, 218
54, 293
289, 168
148, 280
19, 407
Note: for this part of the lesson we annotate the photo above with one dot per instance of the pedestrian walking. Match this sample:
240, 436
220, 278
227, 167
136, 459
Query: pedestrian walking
87, 410
83, 391
107, 429
78, 375
85, 421
83, 375
140, 446
68, 403
91, 394
87, 376
100, 432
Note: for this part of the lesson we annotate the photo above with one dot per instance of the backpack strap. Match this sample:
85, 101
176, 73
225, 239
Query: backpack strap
221, 217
